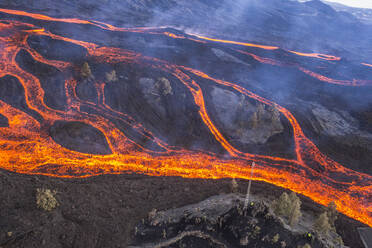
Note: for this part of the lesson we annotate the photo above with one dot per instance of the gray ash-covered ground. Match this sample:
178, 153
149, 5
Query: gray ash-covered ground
103, 211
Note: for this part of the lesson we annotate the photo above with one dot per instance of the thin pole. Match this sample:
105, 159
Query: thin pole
249, 188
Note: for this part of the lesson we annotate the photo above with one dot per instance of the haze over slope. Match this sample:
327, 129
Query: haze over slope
290, 24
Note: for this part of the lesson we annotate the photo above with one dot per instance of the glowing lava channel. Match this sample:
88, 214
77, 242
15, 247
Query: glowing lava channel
25, 146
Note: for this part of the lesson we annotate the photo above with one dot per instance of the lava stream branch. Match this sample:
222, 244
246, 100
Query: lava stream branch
269, 61
32, 152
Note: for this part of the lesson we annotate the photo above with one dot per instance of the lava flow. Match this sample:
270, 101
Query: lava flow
369, 65
26, 147
353, 82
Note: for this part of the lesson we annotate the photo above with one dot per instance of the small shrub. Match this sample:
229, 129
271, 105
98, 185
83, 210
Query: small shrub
276, 238
85, 71
234, 186
256, 231
111, 76
45, 199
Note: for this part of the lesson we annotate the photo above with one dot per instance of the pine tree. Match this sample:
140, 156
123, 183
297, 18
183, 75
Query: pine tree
322, 225
282, 206
295, 214
332, 213
288, 206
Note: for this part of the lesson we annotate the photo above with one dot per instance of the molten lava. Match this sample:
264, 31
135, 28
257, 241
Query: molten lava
354, 82
367, 64
26, 147
317, 55
237, 43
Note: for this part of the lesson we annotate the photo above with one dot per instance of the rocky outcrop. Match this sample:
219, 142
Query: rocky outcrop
224, 56
154, 91
220, 221
333, 123
339, 134
340, 125
247, 122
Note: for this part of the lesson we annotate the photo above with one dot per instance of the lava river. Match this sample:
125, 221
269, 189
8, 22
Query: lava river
26, 146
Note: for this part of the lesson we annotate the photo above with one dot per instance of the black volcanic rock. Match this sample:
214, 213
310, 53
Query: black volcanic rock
220, 221
3, 121
12, 92
57, 49
51, 79
162, 104
79, 137
249, 123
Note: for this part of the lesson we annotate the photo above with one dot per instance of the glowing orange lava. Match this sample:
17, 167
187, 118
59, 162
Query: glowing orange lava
26, 147
354, 82
367, 64
237, 43
317, 55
